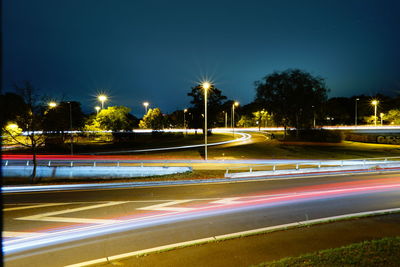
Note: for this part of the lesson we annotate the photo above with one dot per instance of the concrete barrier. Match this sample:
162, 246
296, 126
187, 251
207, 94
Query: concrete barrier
90, 171
369, 167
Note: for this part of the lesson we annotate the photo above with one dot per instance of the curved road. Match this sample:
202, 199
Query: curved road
68, 227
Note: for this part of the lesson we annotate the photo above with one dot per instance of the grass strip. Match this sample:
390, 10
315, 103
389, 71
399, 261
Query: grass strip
380, 252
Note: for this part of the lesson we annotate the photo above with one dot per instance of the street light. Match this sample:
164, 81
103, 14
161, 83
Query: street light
97, 108
375, 104
355, 117
102, 99
70, 128
233, 116
145, 104
206, 86
184, 119
52, 104
226, 118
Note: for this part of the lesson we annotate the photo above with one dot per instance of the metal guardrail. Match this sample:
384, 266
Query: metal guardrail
315, 163
72, 163
295, 165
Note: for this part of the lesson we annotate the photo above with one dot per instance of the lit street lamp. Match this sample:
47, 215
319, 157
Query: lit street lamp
226, 118
233, 116
184, 119
355, 117
97, 108
375, 104
206, 86
102, 99
70, 128
145, 104
52, 104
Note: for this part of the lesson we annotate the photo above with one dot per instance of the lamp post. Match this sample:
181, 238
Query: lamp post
102, 99
184, 119
233, 116
97, 108
355, 117
206, 86
70, 128
145, 104
226, 118
375, 104
381, 115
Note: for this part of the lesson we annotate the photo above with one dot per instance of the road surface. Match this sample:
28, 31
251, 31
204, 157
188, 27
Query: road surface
68, 227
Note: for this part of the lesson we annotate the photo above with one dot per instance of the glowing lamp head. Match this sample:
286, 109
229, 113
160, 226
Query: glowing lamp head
206, 85
236, 103
185, 110
12, 126
52, 104
374, 102
97, 108
102, 98
146, 104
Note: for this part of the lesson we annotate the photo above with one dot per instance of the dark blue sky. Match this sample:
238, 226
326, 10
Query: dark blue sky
157, 50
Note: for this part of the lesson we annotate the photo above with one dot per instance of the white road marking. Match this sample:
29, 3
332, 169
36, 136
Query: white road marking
20, 234
35, 206
166, 206
230, 236
228, 201
48, 216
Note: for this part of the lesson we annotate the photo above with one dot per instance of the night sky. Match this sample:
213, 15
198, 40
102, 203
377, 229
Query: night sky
157, 50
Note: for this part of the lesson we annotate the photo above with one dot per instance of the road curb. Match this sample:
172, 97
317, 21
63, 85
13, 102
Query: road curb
235, 235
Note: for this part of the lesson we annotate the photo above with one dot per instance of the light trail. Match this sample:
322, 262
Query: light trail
133, 220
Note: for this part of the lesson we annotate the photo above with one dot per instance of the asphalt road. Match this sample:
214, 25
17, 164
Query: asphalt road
67, 227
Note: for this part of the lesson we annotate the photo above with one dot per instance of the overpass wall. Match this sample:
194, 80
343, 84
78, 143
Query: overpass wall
90, 171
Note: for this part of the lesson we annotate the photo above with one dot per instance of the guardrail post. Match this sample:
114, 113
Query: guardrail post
94, 163
117, 163
227, 171
297, 166
72, 164
319, 165
364, 162
251, 169
27, 163
274, 168
341, 163
141, 164
6, 162
49, 163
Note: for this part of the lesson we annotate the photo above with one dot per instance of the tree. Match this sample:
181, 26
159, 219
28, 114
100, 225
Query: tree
393, 116
261, 117
152, 120
28, 119
245, 121
294, 97
61, 118
215, 100
114, 118
12, 106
